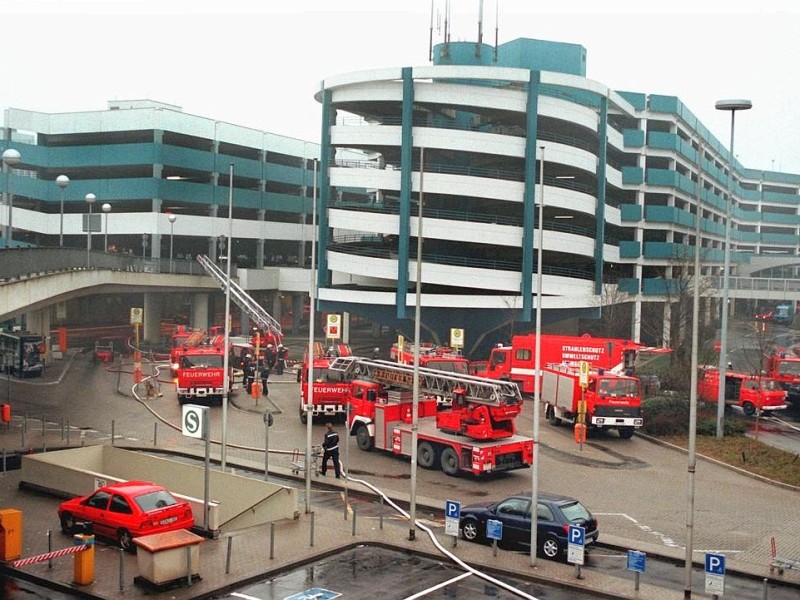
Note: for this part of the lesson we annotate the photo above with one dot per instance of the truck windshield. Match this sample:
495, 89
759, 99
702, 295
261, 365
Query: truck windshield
451, 366
770, 385
618, 387
202, 361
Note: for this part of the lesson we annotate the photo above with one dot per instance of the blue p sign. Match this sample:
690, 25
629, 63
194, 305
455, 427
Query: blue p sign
576, 535
452, 509
715, 564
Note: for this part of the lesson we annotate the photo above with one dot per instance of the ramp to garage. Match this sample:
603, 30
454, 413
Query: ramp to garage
236, 502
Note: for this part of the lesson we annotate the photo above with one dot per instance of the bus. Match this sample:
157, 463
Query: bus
22, 353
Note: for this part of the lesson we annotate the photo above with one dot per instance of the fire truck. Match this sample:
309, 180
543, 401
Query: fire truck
330, 389
517, 362
476, 434
200, 373
751, 393
612, 400
431, 356
784, 366
182, 339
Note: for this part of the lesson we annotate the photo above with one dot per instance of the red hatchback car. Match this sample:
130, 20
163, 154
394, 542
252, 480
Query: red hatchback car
123, 511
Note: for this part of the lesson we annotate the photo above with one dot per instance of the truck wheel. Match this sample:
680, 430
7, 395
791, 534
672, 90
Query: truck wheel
625, 433
303, 417
449, 461
749, 408
364, 439
552, 418
426, 455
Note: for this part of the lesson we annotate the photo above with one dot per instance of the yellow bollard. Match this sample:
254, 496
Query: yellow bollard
10, 534
83, 562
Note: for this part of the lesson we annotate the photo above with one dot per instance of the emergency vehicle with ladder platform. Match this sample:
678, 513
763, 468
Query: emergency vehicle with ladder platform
475, 434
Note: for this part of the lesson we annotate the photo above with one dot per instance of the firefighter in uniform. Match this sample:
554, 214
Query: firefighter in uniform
330, 444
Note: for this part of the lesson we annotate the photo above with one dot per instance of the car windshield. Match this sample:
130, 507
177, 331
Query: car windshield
575, 512
155, 500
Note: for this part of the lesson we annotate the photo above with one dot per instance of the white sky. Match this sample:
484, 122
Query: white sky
258, 63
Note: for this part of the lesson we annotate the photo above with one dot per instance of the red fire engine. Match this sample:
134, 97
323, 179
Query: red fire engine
431, 356
784, 366
517, 362
201, 373
330, 390
476, 434
752, 393
611, 400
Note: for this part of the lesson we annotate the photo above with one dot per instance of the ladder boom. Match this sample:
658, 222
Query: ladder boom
431, 381
263, 319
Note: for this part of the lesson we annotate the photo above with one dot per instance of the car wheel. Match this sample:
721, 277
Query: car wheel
426, 455
125, 540
471, 530
552, 418
749, 408
449, 461
551, 548
625, 433
363, 438
67, 523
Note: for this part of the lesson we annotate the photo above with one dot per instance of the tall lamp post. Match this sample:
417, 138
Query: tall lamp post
172, 218
732, 106
106, 210
90, 199
11, 158
537, 369
62, 181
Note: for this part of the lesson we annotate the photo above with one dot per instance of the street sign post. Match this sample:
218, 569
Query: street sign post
452, 514
576, 538
637, 561
715, 574
494, 532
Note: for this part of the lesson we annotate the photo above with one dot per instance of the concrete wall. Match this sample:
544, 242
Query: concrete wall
235, 502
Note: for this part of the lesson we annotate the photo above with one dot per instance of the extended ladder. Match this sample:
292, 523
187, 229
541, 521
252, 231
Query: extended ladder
262, 318
431, 381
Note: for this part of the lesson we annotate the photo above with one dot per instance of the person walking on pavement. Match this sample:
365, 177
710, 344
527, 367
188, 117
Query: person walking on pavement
330, 444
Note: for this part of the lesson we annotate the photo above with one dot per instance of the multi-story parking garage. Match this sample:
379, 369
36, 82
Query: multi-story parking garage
621, 175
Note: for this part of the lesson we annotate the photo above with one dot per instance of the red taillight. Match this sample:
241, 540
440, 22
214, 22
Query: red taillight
566, 530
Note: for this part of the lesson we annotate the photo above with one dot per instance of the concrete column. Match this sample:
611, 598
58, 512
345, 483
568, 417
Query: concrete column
155, 238
636, 326
262, 216
153, 308
277, 307
346, 328
298, 300
213, 210
200, 315
244, 324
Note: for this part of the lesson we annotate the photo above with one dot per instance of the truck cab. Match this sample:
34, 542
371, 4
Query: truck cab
749, 392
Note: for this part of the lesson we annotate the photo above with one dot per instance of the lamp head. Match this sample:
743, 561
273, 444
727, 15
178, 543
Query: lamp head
90, 198
736, 104
172, 217
106, 208
11, 157
62, 181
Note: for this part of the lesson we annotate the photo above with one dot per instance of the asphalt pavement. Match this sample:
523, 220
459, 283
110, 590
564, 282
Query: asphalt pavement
637, 489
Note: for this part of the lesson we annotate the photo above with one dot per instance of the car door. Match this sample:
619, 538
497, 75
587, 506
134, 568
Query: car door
119, 514
94, 510
514, 513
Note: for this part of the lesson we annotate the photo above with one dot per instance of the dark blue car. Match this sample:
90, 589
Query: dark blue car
555, 515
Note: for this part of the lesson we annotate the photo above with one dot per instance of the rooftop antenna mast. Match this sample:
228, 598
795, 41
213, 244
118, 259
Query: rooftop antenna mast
496, 27
447, 26
430, 37
480, 30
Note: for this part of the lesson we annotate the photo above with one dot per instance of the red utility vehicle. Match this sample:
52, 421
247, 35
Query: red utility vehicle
784, 366
517, 362
476, 434
181, 339
123, 511
612, 401
201, 371
749, 392
442, 358
330, 390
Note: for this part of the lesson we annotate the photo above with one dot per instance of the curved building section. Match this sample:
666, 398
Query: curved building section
469, 141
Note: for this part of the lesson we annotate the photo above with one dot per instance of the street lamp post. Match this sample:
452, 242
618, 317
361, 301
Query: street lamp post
172, 218
106, 210
90, 199
11, 159
62, 181
732, 106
